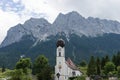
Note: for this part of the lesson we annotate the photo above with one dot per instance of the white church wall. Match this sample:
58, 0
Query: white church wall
70, 72
60, 61
60, 64
61, 50
78, 73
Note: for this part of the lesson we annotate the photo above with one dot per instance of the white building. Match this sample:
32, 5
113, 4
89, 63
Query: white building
64, 68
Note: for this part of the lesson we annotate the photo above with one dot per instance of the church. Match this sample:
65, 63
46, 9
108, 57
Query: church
64, 68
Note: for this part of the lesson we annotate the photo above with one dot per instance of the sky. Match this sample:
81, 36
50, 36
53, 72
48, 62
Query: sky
13, 12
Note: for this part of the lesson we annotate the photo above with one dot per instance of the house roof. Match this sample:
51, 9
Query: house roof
70, 64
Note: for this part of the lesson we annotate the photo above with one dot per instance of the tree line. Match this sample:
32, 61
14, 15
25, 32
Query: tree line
41, 69
104, 66
25, 70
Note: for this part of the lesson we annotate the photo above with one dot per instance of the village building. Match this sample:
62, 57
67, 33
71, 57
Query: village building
64, 68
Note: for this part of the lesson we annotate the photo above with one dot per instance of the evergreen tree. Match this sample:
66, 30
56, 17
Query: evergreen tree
118, 69
91, 67
107, 59
40, 63
3, 68
42, 69
45, 74
102, 63
118, 59
83, 63
114, 60
98, 66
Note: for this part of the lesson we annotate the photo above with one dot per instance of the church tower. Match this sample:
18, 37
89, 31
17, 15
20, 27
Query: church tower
60, 67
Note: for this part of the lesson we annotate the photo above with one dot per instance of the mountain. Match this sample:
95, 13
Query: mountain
83, 36
67, 23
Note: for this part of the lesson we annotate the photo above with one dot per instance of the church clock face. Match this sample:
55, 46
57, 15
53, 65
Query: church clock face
59, 66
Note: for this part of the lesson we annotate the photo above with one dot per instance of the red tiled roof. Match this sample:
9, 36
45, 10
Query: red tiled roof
70, 64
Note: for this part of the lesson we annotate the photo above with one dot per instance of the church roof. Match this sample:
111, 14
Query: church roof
70, 64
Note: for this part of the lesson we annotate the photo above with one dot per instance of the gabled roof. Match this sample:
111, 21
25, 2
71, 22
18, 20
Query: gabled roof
70, 64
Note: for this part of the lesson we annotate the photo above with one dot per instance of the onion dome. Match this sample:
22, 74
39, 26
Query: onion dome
61, 43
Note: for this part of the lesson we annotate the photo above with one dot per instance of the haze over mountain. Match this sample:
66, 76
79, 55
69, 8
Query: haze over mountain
83, 37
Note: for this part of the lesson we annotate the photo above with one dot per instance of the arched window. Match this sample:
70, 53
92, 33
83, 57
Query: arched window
59, 53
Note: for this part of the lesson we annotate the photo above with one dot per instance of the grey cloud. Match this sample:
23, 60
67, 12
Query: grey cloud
109, 9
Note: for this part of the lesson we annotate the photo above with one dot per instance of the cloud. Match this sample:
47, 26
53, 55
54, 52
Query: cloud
40, 6
7, 19
13, 12
11, 5
16, 1
96, 8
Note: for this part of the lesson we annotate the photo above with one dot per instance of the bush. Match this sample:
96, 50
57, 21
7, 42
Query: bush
118, 69
77, 78
18, 74
109, 67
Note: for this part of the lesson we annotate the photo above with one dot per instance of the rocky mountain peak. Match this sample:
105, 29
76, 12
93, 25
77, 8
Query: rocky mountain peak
68, 23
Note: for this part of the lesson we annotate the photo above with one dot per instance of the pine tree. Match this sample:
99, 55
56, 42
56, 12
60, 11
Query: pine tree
102, 63
83, 63
118, 69
3, 68
91, 67
98, 66
42, 69
114, 60
107, 59
40, 63
118, 59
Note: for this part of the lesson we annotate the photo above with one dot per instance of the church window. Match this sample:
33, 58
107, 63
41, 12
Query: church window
73, 73
59, 53
59, 62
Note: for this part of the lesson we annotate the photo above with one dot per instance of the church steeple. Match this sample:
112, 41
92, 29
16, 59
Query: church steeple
60, 59
60, 48
60, 42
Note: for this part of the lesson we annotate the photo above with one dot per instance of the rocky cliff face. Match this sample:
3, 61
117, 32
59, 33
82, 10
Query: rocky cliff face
83, 37
69, 23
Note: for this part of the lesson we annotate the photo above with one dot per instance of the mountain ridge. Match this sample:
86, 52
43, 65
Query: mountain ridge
71, 22
83, 38
77, 48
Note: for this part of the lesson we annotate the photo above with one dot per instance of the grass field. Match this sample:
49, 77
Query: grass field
84, 70
7, 73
